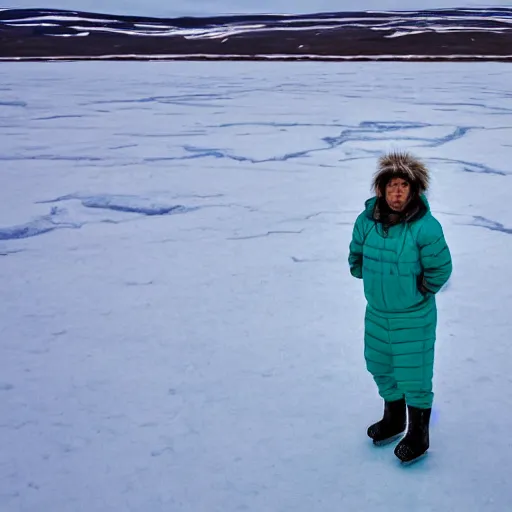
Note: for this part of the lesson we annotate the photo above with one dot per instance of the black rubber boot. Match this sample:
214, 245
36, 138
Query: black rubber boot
391, 425
416, 442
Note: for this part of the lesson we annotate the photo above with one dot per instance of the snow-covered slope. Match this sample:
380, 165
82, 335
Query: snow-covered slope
447, 34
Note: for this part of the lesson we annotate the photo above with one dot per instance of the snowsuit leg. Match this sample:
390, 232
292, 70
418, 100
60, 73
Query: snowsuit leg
399, 353
413, 339
379, 356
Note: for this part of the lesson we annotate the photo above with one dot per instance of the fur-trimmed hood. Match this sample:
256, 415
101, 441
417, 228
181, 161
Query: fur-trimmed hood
401, 165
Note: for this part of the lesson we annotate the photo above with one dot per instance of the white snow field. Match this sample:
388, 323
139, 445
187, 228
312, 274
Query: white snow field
179, 328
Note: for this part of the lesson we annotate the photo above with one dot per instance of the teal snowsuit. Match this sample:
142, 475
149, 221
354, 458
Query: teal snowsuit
400, 320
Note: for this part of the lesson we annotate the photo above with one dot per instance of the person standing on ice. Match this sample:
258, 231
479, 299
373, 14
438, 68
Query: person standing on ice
399, 251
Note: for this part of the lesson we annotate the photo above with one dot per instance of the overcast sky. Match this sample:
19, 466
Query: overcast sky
162, 8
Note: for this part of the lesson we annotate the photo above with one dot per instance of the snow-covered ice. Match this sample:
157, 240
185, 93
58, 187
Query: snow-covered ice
179, 329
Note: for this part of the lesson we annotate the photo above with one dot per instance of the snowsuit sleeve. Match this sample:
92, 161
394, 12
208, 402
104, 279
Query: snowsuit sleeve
355, 258
435, 256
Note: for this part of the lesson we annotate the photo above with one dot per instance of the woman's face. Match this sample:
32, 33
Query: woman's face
397, 193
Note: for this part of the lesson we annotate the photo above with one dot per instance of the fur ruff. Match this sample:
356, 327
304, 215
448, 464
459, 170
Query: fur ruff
401, 165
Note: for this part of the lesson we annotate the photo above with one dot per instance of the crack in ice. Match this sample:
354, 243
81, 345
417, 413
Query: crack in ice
483, 222
264, 235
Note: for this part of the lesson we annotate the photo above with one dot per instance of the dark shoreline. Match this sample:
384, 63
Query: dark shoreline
465, 35
219, 58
